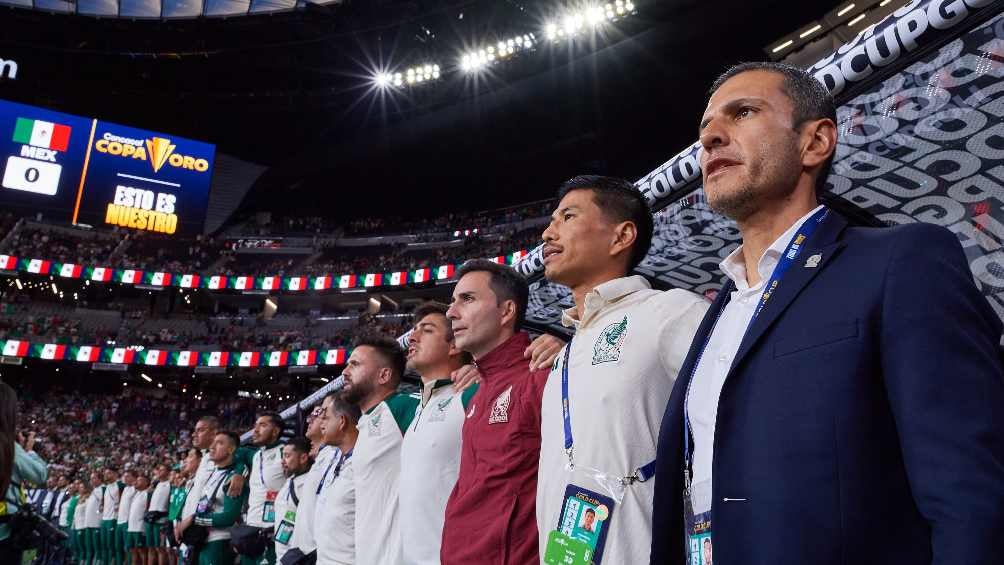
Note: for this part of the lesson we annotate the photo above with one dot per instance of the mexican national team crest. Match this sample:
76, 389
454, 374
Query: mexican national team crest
375, 425
439, 415
500, 409
608, 346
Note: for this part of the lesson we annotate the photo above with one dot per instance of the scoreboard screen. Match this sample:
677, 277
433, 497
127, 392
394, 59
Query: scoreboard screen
87, 171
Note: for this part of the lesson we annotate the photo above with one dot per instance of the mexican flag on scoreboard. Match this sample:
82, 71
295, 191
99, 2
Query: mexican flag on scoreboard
37, 266
278, 358
249, 359
295, 284
305, 357
8, 263
321, 283
51, 351
153, 357
70, 270
334, 357
42, 134
184, 358
347, 281
215, 282
396, 279
100, 274
421, 275
215, 359
267, 283
128, 276
157, 279
189, 281
242, 283
373, 279
16, 348
85, 353
118, 355
445, 272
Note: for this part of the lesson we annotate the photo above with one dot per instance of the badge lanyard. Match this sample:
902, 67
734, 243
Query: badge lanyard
338, 470
614, 485
786, 260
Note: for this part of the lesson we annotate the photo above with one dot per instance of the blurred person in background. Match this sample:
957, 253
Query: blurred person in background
19, 466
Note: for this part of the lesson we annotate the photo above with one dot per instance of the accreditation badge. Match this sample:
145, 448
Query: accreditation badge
203, 506
268, 511
582, 528
285, 529
698, 535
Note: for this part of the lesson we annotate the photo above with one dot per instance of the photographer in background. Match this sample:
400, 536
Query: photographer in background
19, 464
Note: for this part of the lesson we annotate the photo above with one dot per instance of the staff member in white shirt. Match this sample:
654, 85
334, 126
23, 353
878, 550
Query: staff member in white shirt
266, 479
430, 452
615, 376
138, 504
92, 519
296, 464
304, 535
122, 521
335, 513
160, 500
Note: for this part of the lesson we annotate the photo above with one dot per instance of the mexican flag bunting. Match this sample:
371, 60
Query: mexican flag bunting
15, 348
397, 279
216, 282
306, 357
295, 284
242, 283
157, 279
373, 279
85, 353
100, 274
322, 282
215, 359
444, 272
52, 351
128, 276
249, 359
518, 256
184, 358
347, 281
278, 358
70, 270
118, 355
421, 275
189, 281
334, 357
268, 283
8, 263
154, 357
500, 259
37, 266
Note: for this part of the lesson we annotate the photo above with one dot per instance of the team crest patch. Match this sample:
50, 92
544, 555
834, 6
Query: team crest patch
440, 414
500, 409
374, 425
608, 346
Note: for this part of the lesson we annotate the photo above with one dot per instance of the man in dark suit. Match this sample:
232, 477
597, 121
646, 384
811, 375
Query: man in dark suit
853, 412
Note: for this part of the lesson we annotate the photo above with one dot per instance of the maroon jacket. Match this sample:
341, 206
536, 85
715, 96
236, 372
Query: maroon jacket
490, 517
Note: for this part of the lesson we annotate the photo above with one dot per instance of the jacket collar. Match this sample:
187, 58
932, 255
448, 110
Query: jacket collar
430, 388
509, 353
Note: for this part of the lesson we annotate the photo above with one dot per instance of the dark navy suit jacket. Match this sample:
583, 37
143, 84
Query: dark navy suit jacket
862, 421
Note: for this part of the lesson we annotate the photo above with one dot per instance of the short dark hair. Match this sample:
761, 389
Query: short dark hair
389, 349
234, 438
276, 418
506, 283
300, 444
620, 201
350, 410
433, 307
213, 421
590, 511
809, 99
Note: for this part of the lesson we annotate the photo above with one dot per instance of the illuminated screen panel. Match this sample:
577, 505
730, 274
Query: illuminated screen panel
86, 171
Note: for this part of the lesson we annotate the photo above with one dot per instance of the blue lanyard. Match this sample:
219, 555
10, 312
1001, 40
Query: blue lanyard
641, 474
786, 260
338, 470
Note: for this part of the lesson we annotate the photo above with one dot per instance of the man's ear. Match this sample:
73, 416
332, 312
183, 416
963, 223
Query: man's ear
624, 236
819, 141
509, 312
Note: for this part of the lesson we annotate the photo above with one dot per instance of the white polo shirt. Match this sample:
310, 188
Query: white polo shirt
303, 534
430, 458
266, 479
92, 510
709, 378
161, 497
137, 509
110, 508
64, 518
80, 514
626, 353
335, 517
376, 460
202, 474
124, 504
287, 501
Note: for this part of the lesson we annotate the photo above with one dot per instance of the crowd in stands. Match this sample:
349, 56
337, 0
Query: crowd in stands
59, 246
156, 252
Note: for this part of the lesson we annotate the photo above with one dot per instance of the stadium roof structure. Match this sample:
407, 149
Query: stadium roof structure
165, 9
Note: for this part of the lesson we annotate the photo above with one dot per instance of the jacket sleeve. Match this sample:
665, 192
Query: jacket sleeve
29, 467
943, 375
226, 516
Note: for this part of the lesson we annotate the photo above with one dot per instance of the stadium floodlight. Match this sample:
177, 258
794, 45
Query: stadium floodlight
477, 59
386, 79
418, 74
591, 17
146, 378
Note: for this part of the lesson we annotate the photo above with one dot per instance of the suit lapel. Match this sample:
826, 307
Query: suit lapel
824, 244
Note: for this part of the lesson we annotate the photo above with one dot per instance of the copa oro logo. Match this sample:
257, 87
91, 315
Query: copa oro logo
158, 151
